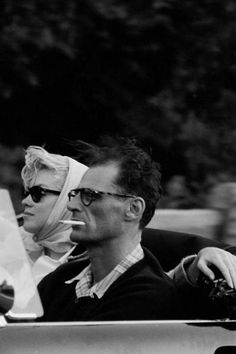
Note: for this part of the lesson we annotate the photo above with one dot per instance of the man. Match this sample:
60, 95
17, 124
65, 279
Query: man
115, 200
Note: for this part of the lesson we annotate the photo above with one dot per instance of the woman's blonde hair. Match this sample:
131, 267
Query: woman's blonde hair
36, 159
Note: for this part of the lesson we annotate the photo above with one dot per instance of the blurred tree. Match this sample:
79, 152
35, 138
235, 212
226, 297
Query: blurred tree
11, 162
163, 70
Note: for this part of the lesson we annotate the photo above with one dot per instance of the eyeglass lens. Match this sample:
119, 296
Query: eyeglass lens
86, 196
35, 193
38, 192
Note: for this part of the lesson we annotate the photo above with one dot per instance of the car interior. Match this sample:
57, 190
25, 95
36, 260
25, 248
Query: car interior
20, 305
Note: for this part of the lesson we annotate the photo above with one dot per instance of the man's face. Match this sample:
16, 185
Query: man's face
103, 218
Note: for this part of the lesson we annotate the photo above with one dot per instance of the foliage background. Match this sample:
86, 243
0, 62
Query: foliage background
162, 70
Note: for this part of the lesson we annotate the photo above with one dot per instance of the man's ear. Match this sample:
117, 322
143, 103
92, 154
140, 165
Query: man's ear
135, 208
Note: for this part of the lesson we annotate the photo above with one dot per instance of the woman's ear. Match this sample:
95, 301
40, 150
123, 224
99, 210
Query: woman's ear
135, 208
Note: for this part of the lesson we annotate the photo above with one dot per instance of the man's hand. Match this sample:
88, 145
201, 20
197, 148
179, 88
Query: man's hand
224, 261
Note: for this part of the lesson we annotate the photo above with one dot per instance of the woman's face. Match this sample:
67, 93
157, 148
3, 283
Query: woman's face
36, 214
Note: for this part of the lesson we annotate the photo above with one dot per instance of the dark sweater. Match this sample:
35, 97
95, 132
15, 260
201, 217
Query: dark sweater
143, 292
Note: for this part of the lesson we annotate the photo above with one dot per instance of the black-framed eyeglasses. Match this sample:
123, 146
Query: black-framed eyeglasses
88, 195
37, 192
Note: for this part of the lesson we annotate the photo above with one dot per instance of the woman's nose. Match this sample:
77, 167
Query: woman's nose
26, 200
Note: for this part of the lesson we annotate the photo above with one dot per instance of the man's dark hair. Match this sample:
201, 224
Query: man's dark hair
139, 174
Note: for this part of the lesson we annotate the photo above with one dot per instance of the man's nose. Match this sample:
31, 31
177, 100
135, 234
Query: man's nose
74, 204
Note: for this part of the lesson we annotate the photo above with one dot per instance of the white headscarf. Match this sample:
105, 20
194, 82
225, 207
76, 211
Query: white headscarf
54, 235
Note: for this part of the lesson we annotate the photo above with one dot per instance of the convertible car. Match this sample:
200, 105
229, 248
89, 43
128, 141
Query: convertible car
20, 306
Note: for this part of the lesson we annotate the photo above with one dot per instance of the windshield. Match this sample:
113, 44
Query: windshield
14, 265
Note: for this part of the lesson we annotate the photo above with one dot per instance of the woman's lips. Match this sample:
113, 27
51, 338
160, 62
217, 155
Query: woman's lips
25, 213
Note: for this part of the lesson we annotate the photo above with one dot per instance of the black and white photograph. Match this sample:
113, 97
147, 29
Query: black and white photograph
118, 177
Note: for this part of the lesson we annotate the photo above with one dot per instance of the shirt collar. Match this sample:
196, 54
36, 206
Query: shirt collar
84, 279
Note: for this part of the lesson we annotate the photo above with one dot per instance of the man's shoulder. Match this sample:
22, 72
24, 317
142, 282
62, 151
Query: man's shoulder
146, 274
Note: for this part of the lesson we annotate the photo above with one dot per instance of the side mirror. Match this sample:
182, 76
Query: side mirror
7, 292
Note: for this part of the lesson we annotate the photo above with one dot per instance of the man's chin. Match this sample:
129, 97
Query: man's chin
76, 236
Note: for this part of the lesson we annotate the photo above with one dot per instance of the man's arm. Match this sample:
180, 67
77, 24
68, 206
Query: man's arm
170, 247
207, 262
224, 261
175, 251
206, 299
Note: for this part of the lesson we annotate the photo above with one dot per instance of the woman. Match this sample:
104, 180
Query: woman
47, 179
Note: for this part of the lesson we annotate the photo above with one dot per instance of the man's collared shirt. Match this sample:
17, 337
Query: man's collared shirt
84, 285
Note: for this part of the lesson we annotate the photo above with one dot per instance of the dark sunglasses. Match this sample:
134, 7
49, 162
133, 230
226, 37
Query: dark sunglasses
88, 195
37, 192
